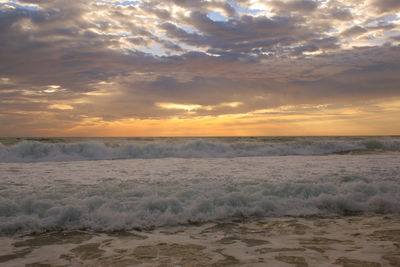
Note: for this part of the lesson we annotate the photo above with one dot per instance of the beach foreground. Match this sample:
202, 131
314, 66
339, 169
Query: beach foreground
364, 240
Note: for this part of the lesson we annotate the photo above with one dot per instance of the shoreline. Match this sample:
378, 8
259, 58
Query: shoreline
363, 240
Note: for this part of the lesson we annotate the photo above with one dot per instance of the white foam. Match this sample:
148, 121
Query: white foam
33, 151
123, 194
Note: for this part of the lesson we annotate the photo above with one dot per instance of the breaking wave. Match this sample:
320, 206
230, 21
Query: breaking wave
127, 194
34, 151
124, 205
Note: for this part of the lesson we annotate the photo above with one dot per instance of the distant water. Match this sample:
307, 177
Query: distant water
76, 149
125, 183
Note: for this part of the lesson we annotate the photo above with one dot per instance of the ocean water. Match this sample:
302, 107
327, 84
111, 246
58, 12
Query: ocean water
128, 183
78, 149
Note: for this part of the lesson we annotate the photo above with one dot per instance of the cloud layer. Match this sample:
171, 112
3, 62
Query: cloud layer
99, 63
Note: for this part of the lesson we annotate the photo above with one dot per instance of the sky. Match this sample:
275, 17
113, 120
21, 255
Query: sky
199, 68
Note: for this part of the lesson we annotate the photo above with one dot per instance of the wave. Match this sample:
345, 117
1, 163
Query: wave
127, 194
124, 205
34, 151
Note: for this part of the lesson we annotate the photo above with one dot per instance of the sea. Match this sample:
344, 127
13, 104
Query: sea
103, 184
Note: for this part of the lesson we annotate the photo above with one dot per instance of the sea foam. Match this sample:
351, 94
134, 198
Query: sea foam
34, 151
144, 193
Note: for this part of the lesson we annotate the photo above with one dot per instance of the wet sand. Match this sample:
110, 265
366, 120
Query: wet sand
366, 240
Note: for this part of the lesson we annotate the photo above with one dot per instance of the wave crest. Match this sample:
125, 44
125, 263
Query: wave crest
32, 151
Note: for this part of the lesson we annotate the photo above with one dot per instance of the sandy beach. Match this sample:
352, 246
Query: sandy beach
365, 240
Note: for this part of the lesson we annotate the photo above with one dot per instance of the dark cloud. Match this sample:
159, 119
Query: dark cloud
326, 43
304, 48
354, 31
341, 14
247, 28
303, 6
356, 80
240, 35
160, 13
383, 6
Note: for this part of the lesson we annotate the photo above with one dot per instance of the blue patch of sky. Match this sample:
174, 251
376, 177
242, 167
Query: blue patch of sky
126, 3
188, 29
242, 10
124, 34
13, 4
216, 16
155, 50
390, 33
332, 31
390, 18
383, 21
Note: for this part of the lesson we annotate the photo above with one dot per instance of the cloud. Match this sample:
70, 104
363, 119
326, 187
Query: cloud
240, 35
294, 5
354, 31
61, 106
98, 59
341, 14
383, 6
